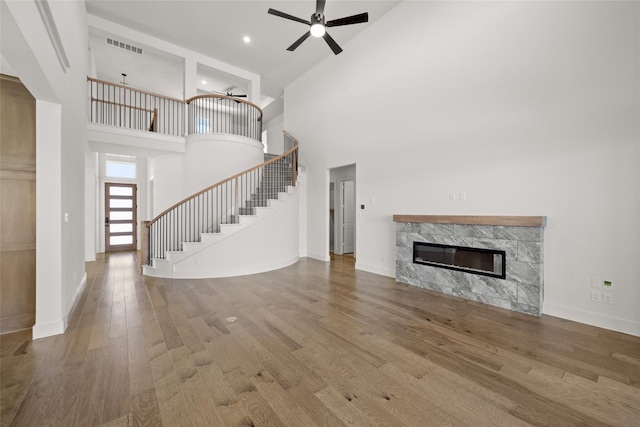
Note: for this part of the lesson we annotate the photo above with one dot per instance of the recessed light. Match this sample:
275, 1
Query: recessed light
247, 39
204, 82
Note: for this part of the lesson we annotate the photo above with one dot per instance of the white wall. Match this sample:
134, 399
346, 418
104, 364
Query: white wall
91, 212
209, 159
192, 60
529, 108
60, 92
268, 242
275, 137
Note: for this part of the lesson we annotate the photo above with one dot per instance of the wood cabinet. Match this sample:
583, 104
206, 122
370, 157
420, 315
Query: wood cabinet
17, 206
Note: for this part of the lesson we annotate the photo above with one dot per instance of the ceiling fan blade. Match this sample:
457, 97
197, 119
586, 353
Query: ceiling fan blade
354, 19
320, 6
332, 43
287, 16
298, 42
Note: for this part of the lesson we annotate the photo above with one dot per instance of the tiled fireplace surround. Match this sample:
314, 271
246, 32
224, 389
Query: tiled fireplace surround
521, 237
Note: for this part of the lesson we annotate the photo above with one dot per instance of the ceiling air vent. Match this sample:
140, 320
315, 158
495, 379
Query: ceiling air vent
122, 45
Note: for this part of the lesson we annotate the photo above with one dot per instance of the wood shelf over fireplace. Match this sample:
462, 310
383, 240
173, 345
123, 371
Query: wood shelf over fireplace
512, 221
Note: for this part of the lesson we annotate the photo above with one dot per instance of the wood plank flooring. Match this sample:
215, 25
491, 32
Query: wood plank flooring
314, 344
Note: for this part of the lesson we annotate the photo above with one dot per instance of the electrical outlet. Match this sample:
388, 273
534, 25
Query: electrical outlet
607, 298
596, 296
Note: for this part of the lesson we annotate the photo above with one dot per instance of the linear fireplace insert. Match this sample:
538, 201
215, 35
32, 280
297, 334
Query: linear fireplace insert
486, 262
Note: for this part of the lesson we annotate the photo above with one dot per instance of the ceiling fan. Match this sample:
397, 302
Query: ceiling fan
318, 25
228, 92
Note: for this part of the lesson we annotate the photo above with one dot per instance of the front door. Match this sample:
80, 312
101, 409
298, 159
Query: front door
120, 232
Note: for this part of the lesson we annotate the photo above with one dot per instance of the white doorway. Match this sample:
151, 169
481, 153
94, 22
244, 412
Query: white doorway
342, 210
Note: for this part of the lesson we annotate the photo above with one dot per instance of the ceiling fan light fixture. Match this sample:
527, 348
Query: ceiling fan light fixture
318, 30
318, 25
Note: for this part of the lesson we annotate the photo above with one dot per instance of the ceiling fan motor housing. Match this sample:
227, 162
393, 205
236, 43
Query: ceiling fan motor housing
317, 18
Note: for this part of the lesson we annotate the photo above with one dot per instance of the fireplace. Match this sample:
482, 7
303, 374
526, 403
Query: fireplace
495, 260
486, 262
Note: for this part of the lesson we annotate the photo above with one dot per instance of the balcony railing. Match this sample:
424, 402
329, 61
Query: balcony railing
119, 105
224, 114
123, 106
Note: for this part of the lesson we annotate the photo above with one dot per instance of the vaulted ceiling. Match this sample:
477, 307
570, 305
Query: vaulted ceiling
216, 29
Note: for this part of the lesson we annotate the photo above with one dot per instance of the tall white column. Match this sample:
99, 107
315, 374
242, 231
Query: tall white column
49, 310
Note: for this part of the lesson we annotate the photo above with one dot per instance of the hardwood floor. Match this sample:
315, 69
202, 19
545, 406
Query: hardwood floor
312, 344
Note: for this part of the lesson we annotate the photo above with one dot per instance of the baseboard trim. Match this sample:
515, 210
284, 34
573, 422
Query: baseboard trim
375, 269
319, 257
43, 330
594, 319
16, 323
74, 298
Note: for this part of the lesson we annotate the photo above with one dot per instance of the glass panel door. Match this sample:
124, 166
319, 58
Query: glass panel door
120, 232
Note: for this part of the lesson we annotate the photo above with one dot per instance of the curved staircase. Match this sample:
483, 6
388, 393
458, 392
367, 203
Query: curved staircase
242, 225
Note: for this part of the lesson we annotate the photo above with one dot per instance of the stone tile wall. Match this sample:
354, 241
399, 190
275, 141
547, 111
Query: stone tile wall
521, 290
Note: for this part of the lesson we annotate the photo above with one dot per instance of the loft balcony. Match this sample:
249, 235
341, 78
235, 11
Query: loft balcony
125, 119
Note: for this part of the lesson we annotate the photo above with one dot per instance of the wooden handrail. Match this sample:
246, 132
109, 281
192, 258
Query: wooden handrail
91, 79
119, 104
193, 196
213, 95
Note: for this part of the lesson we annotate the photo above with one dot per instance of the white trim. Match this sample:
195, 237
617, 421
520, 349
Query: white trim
613, 323
74, 298
375, 269
41, 330
89, 257
206, 274
319, 257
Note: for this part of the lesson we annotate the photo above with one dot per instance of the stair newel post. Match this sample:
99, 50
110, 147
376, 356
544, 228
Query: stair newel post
145, 249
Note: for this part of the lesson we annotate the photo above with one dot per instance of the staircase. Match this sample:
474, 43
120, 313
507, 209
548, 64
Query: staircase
275, 179
245, 224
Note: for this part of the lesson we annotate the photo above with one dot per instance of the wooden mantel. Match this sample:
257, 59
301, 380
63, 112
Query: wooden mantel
514, 221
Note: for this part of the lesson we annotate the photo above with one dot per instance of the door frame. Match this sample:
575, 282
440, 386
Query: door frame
134, 209
336, 175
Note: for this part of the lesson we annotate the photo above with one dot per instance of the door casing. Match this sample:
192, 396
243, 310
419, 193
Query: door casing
112, 214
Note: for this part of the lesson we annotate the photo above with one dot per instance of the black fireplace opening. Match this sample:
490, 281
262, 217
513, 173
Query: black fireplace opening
486, 262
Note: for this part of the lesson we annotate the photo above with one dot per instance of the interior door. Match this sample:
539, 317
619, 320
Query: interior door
120, 231
348, 216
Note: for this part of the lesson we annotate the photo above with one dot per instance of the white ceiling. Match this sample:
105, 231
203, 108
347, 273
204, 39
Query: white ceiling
216, 29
